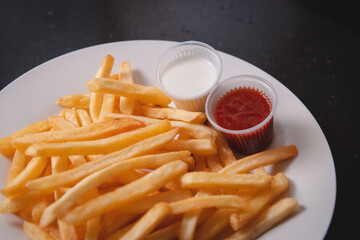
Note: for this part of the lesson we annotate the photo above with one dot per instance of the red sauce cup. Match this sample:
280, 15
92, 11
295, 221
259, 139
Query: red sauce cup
255, 138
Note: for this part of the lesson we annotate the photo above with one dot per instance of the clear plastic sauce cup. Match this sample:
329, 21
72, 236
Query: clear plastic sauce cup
242, 108
187, 72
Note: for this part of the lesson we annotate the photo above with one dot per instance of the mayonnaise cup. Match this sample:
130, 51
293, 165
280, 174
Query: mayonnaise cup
187, 72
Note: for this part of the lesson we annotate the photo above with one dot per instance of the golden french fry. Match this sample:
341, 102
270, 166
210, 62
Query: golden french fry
126, 104
93, 225
174, 114
194, 203
113, 221
67, 231
70, 114
100, 146
256, 160
213, 161
194, 130
137, 92
126, 194
34, 232
144, 204
60, 123
196, 146
90, 132
95, 105
97, 98
188, 224
119, 233
19, 203
78, 101
124, 178
84, 117
17, 186
225, 153
17, 165
269, 218
39, 208
213, 180
213, 225
258, 202
168, 233
51, 183
108, 105
148, 222
94, 180
7, 149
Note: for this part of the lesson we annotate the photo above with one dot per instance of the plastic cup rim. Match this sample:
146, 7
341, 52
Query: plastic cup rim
248, 130
196, 43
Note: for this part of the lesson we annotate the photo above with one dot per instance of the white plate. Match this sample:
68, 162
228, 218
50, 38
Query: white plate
32, 97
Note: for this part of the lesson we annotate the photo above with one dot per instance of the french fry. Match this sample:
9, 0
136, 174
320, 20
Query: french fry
70, 114
256, 160
144, 204
78, 101
114, 220
34, 232
174, 114
196, 146
269, 218
17, 165
93, 225
200, 162
17, 186
194, 203
194, 130
67, 231
167, 233
60, 123
39, 208
225, 153
126, 104
126, 194
92, 131
213, 161
258, 202
84, 117
7, 149
123, 178
213, 180
148, 222
213, 225
100, 146
137, 92
51, 183
21, 202
94, 180
119, 233
188, 224
95, 97
108, 105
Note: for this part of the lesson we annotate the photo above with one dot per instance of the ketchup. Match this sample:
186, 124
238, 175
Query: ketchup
243, 108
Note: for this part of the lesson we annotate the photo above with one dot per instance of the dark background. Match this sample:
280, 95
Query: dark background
312, 47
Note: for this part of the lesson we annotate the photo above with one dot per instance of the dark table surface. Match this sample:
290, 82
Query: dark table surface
312, 47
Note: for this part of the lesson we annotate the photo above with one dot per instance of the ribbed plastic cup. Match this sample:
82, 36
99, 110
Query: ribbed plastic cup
250, 140
187, 50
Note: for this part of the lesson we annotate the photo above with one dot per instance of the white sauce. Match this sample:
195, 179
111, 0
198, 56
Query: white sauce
188, 77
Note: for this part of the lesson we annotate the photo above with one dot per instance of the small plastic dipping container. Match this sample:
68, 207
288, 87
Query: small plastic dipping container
253, 138
187, 72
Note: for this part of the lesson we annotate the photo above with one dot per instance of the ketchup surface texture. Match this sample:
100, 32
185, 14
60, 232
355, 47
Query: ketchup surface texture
242, 108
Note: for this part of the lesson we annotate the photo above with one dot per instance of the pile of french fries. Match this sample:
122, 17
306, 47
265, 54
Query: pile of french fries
119, 163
